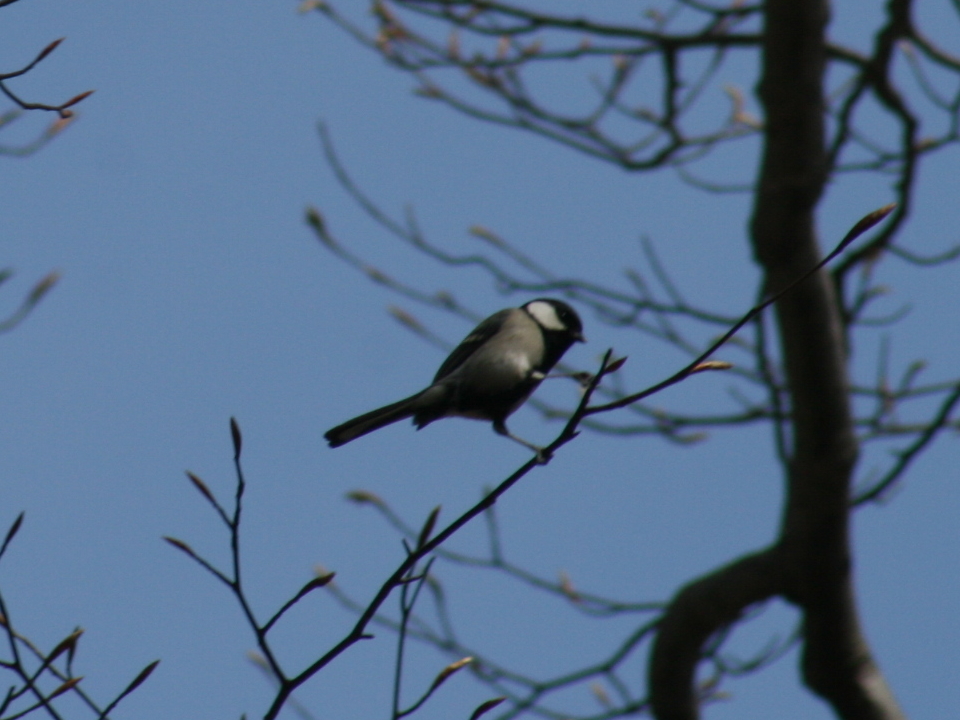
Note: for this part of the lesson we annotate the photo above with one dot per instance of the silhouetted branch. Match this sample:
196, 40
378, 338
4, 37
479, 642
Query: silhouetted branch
43, 286
927, 433
586, 603
33, 670
642, 112
427, 544
61, 109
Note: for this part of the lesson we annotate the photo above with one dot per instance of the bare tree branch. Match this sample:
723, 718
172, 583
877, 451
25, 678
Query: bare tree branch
641, 109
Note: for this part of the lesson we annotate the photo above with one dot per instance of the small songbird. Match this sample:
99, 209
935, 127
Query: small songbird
488, 375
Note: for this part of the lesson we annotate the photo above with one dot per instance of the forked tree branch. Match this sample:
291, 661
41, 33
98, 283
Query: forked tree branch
481, 69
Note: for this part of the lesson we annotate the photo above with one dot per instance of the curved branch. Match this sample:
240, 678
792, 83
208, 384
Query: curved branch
697, 612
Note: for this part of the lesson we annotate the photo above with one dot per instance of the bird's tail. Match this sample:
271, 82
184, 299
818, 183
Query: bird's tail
373, 420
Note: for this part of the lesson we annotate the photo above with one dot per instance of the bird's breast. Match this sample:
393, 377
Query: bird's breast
494, 388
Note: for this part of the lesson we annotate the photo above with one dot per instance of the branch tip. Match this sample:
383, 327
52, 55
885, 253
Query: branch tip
68, 643
711, 365
43, 287
428, 527
140, 678
201, 486
315, 218
615, 365
486, 707
865, 223
449, 670
49, 49
236, 437
11, 533
363, 497
180, 545
76, 98
65, 687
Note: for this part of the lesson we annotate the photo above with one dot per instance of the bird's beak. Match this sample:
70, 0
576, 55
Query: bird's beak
579, 338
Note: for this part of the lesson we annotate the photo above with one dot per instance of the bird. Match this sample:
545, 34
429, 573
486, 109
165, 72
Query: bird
488, 375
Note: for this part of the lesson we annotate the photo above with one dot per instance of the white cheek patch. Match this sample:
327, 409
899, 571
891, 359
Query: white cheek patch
546, 315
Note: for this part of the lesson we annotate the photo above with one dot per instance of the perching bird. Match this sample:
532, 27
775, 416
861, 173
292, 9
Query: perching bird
488, 375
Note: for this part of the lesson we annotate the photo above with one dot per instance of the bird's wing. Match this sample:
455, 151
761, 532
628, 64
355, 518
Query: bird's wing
478, 336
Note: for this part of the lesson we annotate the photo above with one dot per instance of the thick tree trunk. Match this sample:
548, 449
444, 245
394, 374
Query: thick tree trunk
810, 564
815, 534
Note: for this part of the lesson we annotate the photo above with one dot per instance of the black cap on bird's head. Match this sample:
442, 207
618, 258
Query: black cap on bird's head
555, 316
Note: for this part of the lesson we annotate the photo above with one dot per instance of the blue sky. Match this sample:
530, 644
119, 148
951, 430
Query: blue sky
193, 291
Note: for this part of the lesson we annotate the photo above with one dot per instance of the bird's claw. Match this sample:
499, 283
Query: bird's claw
543, 456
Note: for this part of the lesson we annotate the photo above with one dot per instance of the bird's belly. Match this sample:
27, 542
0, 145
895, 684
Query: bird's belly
496, 392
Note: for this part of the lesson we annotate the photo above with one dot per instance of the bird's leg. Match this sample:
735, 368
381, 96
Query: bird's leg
543, 456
